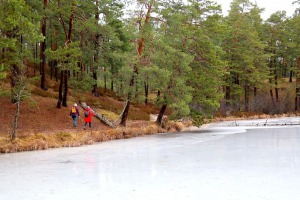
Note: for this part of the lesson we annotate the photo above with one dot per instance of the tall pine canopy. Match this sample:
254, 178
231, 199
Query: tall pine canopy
182, 57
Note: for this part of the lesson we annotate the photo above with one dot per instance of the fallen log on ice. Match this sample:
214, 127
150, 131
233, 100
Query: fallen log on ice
99, 116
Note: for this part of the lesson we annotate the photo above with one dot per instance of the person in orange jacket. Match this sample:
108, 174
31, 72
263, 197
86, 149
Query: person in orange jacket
88, 114
74, 113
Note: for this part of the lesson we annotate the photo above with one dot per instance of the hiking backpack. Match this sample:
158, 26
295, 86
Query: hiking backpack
73, 110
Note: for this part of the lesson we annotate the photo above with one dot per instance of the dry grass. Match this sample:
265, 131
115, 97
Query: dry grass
173, 126
75, 139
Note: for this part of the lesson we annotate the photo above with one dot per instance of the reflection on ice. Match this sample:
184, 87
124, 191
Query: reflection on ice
219, 161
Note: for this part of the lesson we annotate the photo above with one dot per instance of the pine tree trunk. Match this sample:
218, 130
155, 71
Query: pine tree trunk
35, 58
255, 99
277, 94
51, 61
272, 96
15, 72
120, 92
297, 95
16, 117
227, 96
146, 86
112, 85
96, 54
158, 96
237, 79
43, 48
65, 93
276, 86
55, 61
125, 114
127, 106
247, 98
105, 84
62, 99
296, 102
271, 65
161, 114
16, 90
136, 69
60, 96
291, 76
94, 91
55, 70
136, 89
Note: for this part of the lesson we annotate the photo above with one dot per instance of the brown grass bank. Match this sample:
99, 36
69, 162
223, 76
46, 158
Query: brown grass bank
41, 141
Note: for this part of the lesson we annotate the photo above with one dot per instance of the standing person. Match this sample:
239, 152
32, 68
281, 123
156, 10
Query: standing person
74, 113
88, 117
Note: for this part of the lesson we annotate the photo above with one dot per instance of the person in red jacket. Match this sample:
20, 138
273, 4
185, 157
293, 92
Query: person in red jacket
88, 114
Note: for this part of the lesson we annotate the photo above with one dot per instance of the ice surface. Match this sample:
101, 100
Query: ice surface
219, 161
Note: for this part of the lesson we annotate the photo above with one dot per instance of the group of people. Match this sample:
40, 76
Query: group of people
88, 114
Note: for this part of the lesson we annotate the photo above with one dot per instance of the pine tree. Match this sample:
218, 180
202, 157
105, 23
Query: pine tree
277, 40
143, 34
245, 55
294, 25
208, 68
18, 36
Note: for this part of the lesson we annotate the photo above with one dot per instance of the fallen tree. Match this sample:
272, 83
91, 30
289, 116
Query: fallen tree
99, 116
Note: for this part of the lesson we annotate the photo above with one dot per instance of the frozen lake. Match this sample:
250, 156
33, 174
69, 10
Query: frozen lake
221, 161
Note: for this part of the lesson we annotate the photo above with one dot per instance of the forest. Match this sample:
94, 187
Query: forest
179, 55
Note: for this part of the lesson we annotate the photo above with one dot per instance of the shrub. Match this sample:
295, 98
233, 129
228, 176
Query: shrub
175, 126
197, 117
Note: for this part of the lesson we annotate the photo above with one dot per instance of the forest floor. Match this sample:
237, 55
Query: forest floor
40, 115
41, 125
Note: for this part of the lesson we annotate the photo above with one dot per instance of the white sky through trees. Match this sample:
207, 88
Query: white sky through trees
271, 6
